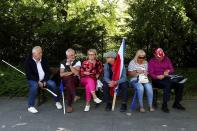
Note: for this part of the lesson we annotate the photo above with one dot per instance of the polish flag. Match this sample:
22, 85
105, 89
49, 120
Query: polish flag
118, 66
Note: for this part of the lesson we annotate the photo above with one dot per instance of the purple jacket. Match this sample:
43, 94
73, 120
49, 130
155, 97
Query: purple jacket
156, 67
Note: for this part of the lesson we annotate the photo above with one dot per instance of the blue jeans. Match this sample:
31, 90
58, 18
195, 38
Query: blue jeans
33, 90
139, 87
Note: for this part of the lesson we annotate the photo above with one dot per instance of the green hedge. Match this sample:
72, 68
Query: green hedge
12, 83
191, 85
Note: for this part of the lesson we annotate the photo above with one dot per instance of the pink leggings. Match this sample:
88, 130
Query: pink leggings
90, 86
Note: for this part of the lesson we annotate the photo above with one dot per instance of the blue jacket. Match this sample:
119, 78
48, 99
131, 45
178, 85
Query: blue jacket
31, 69
108, 74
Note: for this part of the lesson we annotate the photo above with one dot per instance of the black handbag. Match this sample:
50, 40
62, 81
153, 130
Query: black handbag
176, 78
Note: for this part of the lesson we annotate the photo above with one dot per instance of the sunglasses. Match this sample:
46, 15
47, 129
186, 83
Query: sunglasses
141, 57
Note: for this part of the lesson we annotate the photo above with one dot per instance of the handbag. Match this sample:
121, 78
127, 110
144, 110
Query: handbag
99, 86
142, 78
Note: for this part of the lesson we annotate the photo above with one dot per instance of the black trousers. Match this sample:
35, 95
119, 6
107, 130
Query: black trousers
166, 84
122, 89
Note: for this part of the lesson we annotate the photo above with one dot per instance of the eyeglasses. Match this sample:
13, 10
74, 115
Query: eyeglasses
141, 57
91, 54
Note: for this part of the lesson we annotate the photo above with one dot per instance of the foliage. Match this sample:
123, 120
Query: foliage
164, 23
55, 25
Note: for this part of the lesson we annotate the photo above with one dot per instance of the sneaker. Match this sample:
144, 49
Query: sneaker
165, 109
123, 108
87, 108
142, 110
152, 109
179, 107
97, 100
32, 110
58, 105
183, 81
108, 107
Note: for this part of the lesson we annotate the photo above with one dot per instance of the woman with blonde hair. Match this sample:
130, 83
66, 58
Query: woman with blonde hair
138, 70
91, 70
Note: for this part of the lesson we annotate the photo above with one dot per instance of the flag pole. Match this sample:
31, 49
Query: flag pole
118, 67
114, 101
24, 74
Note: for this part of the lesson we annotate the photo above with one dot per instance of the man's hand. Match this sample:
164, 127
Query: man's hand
67, 73
112, 83
41, 85
160, 77
45, 84
68, 62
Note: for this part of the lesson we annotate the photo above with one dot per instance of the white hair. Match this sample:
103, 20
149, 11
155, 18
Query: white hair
36, 48
69, 51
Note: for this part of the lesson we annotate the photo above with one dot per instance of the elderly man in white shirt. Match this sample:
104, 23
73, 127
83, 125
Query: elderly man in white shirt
37, 73
69, 73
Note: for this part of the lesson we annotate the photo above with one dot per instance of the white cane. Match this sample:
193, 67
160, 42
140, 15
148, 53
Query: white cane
24, 74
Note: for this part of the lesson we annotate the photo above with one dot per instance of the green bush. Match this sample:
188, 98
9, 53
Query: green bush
191, 84
12, 83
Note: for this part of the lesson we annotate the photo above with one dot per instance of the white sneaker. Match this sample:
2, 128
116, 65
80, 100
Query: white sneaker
32, 110
183, 81
58, 105
97, 100
87, 108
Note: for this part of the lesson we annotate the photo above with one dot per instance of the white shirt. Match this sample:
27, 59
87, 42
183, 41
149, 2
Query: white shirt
40, 70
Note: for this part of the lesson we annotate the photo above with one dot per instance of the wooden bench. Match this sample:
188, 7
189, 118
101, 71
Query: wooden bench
55, 76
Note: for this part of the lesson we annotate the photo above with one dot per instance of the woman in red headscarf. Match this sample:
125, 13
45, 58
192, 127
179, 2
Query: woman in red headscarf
159, 68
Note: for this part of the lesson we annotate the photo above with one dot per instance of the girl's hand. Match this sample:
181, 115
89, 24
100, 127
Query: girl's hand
87, 73
140, 71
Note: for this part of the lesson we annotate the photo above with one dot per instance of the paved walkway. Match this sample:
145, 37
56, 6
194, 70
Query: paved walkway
14, 117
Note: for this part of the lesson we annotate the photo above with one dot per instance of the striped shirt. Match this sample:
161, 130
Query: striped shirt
135, 66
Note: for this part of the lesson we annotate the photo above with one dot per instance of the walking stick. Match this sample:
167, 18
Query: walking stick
62, 92
63, 102
24, 74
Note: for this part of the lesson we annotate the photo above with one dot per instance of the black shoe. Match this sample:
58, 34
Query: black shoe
123, 108
165, 109
178, 106
108, 107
